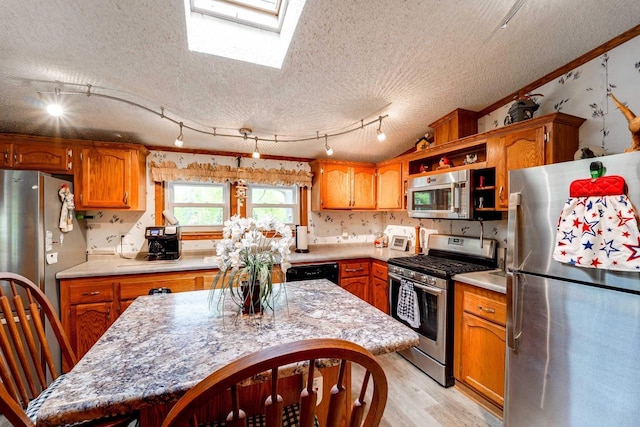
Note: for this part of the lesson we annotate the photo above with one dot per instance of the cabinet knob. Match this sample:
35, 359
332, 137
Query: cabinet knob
126, 197
6, 155
500, 192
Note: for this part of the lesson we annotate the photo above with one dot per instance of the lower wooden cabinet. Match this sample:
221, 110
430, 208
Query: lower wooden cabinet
379, 295
354, 277
479, 352
88, 306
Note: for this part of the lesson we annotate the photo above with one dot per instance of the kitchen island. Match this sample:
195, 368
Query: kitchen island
164, 344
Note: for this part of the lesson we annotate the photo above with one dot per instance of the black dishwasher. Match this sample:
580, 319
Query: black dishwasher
327, 271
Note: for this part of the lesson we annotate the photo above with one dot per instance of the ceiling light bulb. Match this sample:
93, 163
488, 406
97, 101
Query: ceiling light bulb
179, 140
55, 110
256, 153
328, 149
381, 135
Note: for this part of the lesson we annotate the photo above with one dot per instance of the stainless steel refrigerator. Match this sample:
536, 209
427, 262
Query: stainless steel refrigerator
31, 242
573, 333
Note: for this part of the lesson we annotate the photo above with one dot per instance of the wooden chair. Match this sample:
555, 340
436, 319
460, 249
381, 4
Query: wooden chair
27, 369
226, 381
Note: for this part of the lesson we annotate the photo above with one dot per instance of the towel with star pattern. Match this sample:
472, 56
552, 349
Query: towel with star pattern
598, 226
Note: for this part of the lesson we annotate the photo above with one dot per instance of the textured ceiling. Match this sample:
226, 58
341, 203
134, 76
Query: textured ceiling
415, 60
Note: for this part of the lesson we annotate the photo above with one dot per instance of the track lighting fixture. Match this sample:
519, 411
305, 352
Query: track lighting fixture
516, 7
381, 135
328, 149
256, 153
55, 109
179, 140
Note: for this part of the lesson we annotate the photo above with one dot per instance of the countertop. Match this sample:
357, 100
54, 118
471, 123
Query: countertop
162, 345
485, 279
116, 266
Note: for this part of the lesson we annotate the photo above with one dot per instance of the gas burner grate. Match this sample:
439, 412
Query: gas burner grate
436, 265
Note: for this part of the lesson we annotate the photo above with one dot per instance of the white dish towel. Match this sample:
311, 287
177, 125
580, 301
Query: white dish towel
408, 307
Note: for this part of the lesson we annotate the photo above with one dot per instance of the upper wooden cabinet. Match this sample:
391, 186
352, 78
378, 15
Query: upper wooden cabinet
343, 185
390, 183
545, 140
111, 178
36, 153
457, 124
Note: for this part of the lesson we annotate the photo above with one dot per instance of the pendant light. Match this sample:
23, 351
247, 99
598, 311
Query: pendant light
256, 153
328, 149
55, 109
381, 135
179, 140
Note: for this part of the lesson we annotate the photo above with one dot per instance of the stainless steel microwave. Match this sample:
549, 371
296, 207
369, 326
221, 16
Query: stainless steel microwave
444, 195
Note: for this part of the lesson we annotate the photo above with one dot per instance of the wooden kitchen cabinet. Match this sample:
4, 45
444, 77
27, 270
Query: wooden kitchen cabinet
36, 153
389, 186
343, 185
88, 306
542, 141
111, 177
455, 125
379, 289
479, 343
354, 277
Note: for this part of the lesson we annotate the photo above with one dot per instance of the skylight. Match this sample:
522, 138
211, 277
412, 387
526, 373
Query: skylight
257, 31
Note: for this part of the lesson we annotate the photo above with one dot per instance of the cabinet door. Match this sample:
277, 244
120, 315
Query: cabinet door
380, 294
45, 157
521, 149
7, 154
336, 187
356, 285
483, 361
88, 323
363, 188
390, 186
105, 178
130, 289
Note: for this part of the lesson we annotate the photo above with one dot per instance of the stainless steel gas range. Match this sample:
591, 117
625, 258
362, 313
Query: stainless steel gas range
427, 279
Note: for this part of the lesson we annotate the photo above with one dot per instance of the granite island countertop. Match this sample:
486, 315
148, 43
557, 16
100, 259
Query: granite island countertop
162, 345
116, 266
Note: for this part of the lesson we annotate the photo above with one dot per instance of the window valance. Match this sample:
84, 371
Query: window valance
169, 171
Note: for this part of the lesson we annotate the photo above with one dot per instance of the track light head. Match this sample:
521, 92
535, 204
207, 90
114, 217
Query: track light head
328, 149
55, 110
381, 135
179, 142
256, 153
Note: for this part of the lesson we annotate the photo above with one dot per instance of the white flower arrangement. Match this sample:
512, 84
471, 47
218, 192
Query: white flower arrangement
248, 252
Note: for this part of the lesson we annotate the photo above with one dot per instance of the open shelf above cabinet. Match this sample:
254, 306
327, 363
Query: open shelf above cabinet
456, 155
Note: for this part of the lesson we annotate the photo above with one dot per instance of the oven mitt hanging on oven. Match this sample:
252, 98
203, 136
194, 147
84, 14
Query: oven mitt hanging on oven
408, 309
598, 227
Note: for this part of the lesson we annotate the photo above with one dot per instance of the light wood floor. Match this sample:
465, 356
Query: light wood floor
415, 400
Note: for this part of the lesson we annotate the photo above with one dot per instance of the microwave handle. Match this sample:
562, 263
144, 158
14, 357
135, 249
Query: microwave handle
455, 199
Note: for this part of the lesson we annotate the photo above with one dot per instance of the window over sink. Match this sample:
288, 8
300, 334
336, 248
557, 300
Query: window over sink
199, 206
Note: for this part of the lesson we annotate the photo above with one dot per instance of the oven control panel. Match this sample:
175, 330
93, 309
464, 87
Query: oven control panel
405, 273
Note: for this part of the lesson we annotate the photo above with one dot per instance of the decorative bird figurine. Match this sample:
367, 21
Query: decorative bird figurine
634, 125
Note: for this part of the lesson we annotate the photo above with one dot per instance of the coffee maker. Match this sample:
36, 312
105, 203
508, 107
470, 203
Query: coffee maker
164, 243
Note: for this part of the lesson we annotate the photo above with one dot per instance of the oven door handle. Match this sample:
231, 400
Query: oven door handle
430, 289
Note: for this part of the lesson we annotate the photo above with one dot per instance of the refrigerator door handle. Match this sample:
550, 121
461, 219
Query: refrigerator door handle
513, 304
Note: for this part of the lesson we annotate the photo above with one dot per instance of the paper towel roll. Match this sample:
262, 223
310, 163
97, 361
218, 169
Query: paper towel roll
301, 239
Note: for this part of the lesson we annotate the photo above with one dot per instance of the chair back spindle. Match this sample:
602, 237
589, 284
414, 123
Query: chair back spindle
278, 361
